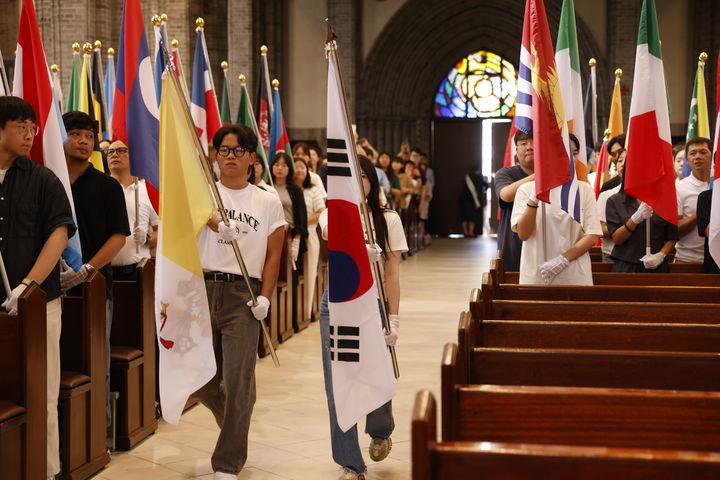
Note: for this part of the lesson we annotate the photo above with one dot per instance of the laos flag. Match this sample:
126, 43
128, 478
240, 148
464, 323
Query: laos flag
203, 106
362, 377
135, 118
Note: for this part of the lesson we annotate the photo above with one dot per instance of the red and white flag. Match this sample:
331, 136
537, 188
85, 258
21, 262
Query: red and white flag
714, 234
204, 107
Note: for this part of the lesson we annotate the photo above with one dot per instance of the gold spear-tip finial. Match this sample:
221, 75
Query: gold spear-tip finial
164, 18
263, 49
275, 83
88, 48
618, 73
224, 65
242, 78
76, 47
111, 52
200, 22
98, 44
703, 57
592, 62
607, 134
55, 68
175, 43
155, 19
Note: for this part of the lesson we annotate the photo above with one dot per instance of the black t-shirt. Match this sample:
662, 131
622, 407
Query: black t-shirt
508, 241
33, 203
704, 202
100, 209
612, 183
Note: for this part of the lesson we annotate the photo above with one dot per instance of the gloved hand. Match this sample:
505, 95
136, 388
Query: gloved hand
228, 232
259, 311
392, 337
70, 278
643, 212
11, 303
294, 249
374, 252
550, 269
653, 260
140, 235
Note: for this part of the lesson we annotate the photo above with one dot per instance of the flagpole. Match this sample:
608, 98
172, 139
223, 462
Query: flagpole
331, 51
593, 82
264, 158
137, 212
4, 78
207, 170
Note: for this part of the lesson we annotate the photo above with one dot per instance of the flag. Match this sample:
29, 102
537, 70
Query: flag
179, 71
698, 123
32, 83
57, 85
98, 94
135, 114
225, 102
246, 116
73, 103
160, 29
5, 88
649, 174
590, 107
279, 140
110, 83
263, 102
360, 364
714, 234
601, 174
204, 107
87, 105
615, 122
568, 65
540, 114
182, 316
510, 147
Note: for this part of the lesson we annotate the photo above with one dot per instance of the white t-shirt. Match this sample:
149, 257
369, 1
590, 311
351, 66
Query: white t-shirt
396, 241
258, 214
561, 233
146, 219
690, 247
606, 243
314, 202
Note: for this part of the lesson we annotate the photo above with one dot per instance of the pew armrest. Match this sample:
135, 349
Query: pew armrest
424, 434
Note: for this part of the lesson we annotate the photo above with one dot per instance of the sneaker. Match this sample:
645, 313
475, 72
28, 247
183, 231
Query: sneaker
224, 476
349, 474
379, 449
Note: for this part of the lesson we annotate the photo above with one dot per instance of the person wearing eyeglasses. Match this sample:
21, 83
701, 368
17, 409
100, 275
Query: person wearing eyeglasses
143, 221
257, 224
690, 247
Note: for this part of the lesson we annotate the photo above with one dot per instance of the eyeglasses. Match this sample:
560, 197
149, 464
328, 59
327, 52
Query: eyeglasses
119, 151
224, 151
25, 129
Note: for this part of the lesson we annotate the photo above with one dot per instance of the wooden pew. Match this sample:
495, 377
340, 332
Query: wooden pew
433, 460
639, 279
132, 356
23, 388
83, 381
286, 293
674, 267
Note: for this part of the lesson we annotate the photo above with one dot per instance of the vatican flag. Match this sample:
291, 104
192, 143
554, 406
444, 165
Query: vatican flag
187, 361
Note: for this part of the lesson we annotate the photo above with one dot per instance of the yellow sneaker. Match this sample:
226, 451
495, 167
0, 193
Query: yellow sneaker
379, 449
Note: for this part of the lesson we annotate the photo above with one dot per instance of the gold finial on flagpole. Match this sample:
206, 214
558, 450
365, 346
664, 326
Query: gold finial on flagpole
275, 83
618, 73
607, 134
55, 68
111, 52
155, 19
76, 47
88, 48
164, 18
224, 65
703, 57
98, 44
175, 43
242, 78
592, 62
200, 22
263, 49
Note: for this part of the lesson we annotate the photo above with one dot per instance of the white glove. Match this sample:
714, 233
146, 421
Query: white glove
140, 235
374, 252
228, 232
260, 310
643, 212
11, 303
70, 278
392, 337
653, 260
550, 269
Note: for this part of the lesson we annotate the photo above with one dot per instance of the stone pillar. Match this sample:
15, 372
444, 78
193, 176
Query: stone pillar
622, 31
239, 47
346, 18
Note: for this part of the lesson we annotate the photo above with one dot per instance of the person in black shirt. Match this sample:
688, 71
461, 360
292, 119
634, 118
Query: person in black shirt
704, 202
100, 209
35, 224
614, 147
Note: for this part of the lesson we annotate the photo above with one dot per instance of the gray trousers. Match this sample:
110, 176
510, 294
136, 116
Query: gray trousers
230, 395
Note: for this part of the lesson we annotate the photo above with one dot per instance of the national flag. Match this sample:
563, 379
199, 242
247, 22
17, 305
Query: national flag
567, 59
279, 140
649, 174
182, 315
263, 102
590, 107
73, 103
602, 172
57, 85
714, 234
615, 122
540, 114
110, 83
98, 94
179, 71
135, 114
225, 116
246, 116
204, 107
32, 83
698, 122
510, 147
87, 105
362, 379
160, 30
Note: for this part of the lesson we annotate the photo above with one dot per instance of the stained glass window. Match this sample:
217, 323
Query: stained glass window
480, 85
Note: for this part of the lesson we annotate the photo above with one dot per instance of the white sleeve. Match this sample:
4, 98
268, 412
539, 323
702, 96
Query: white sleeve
396, 235
680, 198
276, 215
323, 222
602, 204
318, 200
317, 181
522, 197
591, 221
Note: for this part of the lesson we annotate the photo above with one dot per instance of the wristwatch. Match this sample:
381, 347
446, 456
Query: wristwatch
89, 268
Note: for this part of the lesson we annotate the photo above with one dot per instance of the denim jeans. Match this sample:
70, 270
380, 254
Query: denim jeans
379, 423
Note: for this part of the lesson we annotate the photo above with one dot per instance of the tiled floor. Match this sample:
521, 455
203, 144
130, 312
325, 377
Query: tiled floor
289, 435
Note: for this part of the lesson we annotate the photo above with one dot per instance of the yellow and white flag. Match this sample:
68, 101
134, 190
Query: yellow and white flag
182, 316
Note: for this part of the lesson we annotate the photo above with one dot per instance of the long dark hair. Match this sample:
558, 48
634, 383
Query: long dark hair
288, 162
373, 202
307, 183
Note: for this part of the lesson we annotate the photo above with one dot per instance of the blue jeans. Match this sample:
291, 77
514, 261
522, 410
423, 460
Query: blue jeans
379, 423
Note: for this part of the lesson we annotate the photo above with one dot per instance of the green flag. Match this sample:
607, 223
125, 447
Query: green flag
73, 102
225, 100
246, 116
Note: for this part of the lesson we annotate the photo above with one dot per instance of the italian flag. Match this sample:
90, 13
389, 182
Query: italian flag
568, 65
649, 174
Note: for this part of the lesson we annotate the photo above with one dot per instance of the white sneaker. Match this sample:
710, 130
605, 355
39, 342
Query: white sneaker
379, 449
351, 475
224, 476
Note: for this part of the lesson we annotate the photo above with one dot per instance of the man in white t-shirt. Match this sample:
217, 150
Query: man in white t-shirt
144, 233
257, 223
560, 256
607, 244
699, 156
